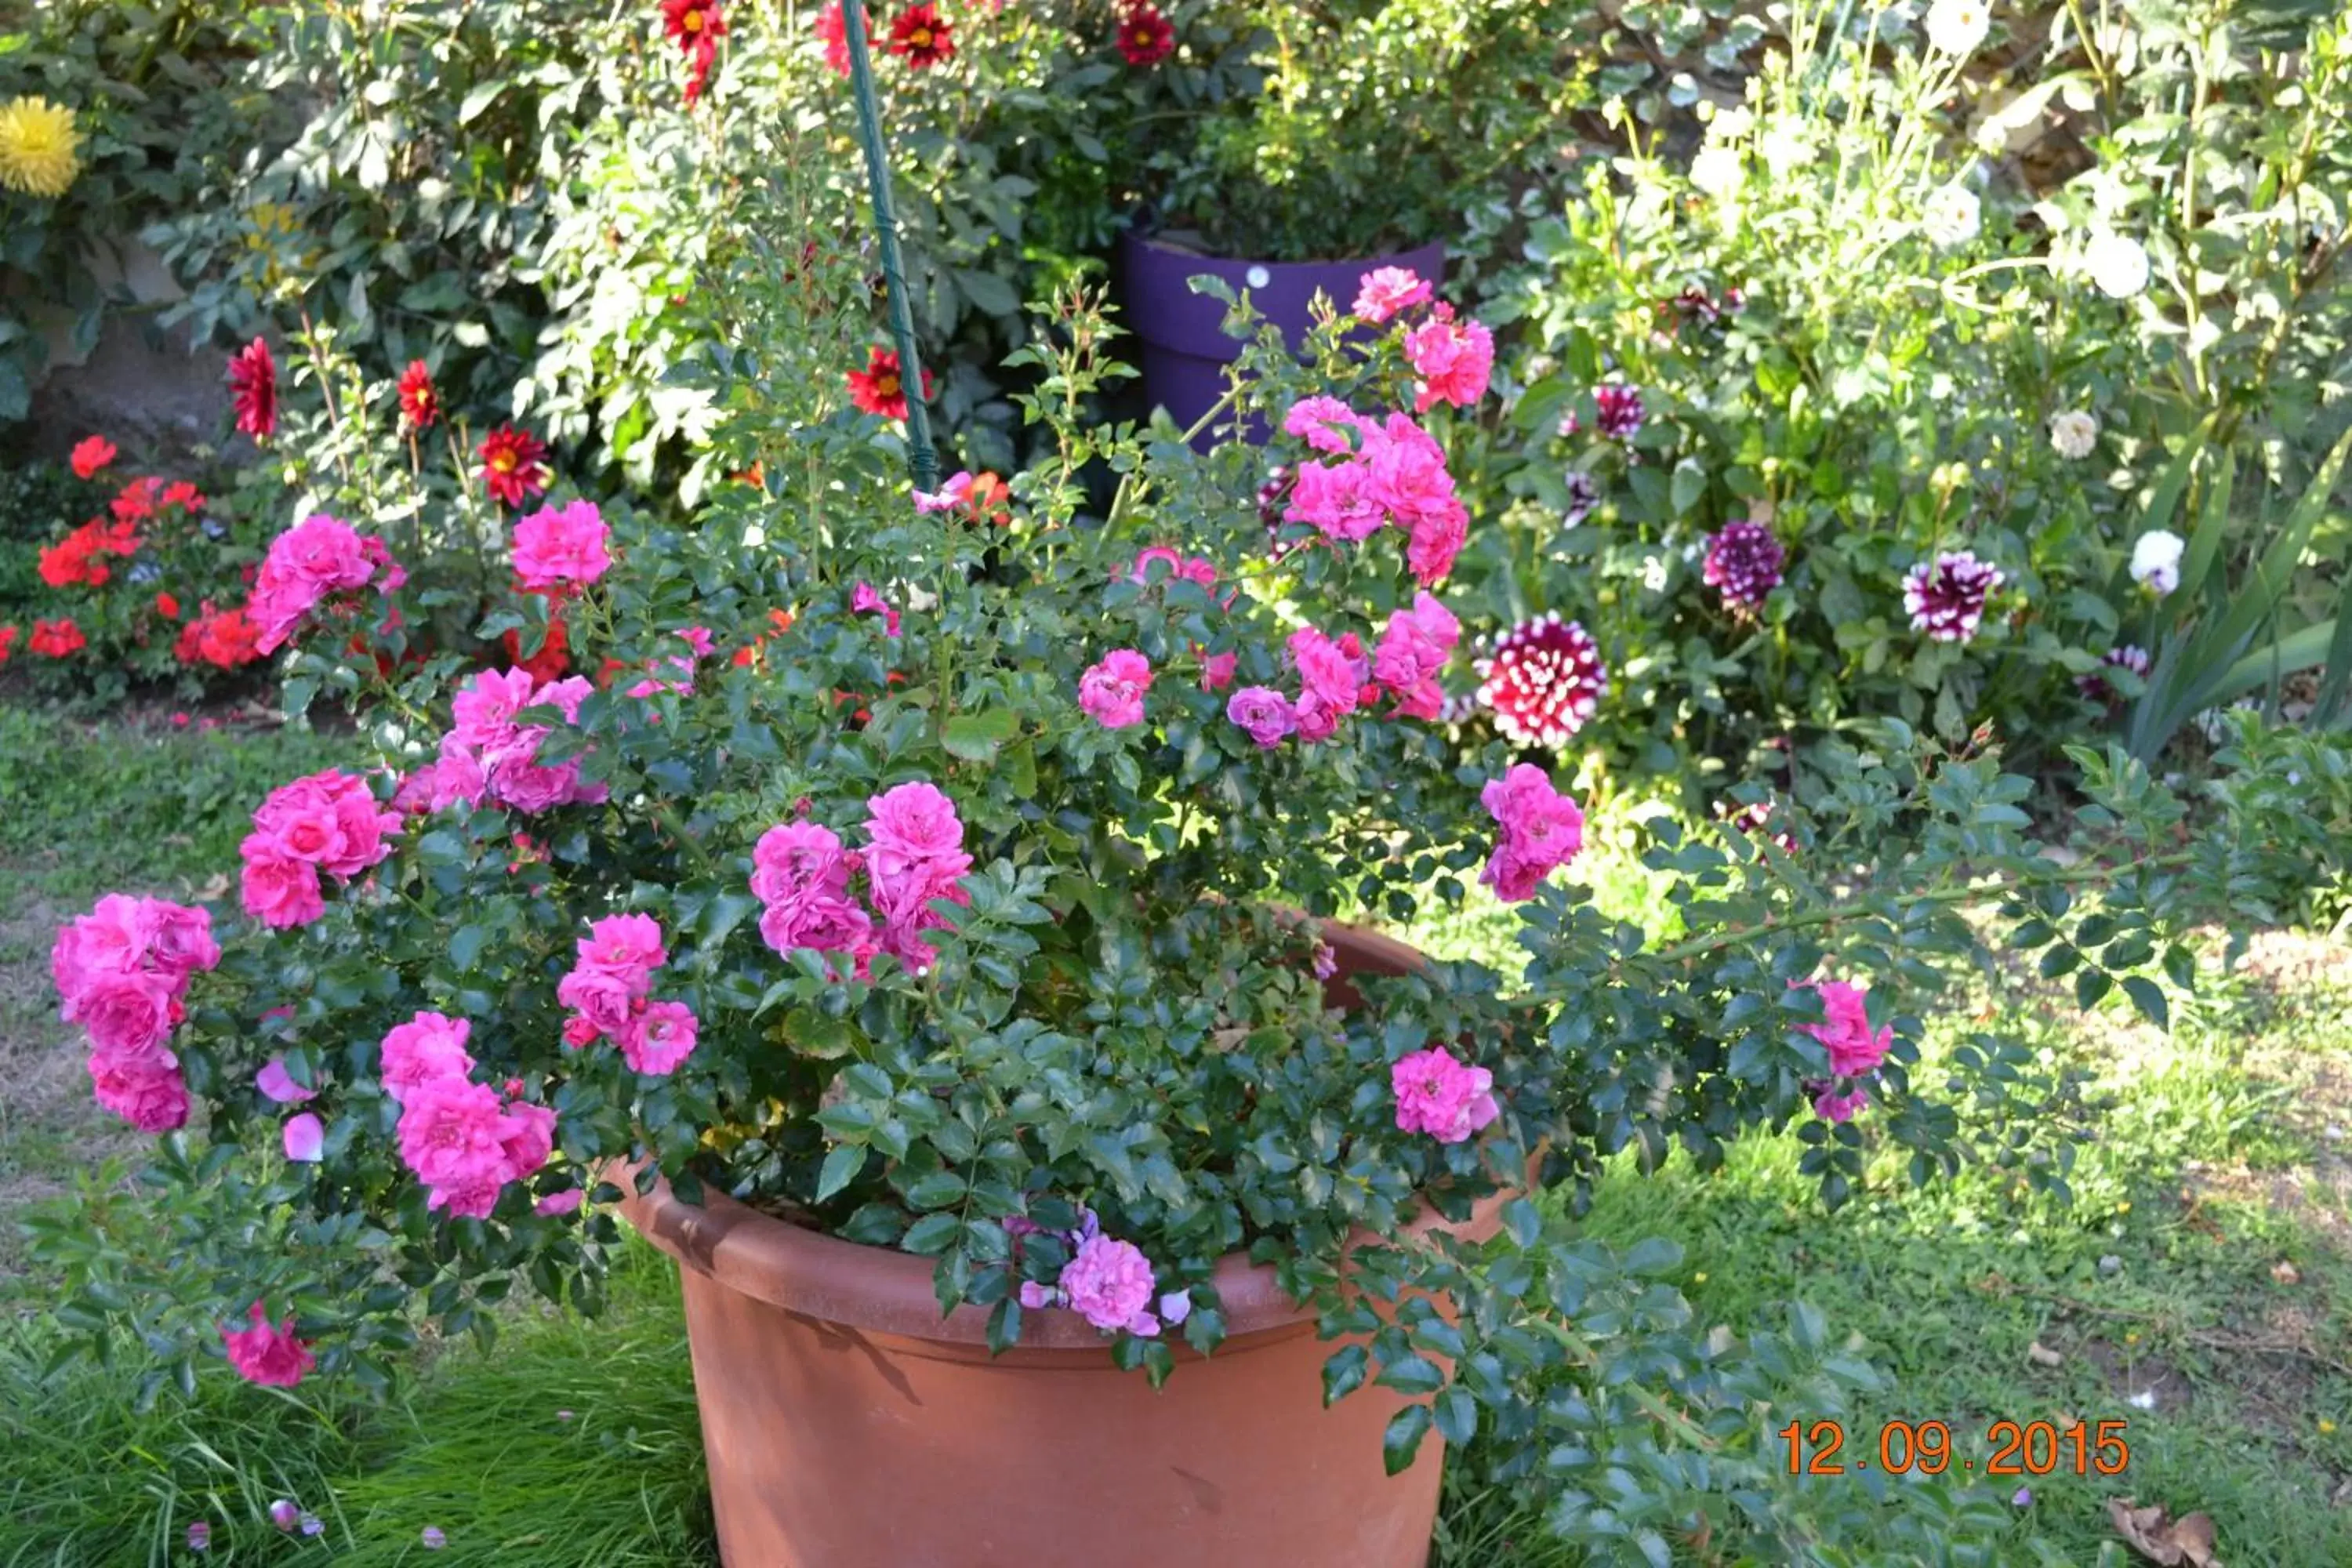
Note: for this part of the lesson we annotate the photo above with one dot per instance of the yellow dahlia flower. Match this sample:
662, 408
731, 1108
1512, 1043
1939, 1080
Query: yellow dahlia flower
38, 141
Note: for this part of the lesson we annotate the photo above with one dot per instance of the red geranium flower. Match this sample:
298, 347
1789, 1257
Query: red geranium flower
56, 638
513, 464
76, 557
224, 638
91, 454
553, 659
922, 38
420, 405
180, 493
7, 643
253, 387
877, 389
167, 607
1144, 35
136, 500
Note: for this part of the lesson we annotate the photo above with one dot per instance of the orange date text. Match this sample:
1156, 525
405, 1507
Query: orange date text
2010, 1448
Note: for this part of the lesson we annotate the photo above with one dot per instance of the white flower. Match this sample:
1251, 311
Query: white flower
1958, 26
1951, 216
2156, 562
1718, 170
2073, 433
2116, 263
1786, 146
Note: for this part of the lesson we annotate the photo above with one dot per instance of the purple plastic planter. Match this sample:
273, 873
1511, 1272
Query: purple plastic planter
1184, 354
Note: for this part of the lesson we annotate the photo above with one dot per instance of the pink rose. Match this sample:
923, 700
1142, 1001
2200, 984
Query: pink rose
1217, 670
865, 601
1325, 424
562, 1203
528, 1139
308, 561
821, 923
1263, 713
1854, 1048
266, 1354
1414, 648
1338, 500
913, 822
429, 1048
1111, 691
1108, 1283
1840, 1106
1542, 831
628, 947
1332, 675
559, 548
129, 1017
277, 889
1385, 290
658, 1038
1454, 362
1441, 1097
453, 1133
604, 999
151, 1097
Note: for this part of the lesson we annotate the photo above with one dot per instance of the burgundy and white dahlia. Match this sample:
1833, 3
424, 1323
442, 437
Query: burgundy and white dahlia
1617, 411
1543, 681
2095, 686
1744, 560
1583, 495
1946, 596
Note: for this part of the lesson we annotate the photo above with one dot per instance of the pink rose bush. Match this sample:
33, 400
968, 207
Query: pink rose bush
914, 857
1387, 291
121, 971
1439, 1095
561, 549
268, 1353
610, 992
1452, 360
1393, 475
1111, 691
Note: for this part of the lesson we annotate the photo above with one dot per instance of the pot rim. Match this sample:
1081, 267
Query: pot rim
883, 1289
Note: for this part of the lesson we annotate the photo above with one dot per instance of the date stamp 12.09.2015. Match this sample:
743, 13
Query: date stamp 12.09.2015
2007, 1448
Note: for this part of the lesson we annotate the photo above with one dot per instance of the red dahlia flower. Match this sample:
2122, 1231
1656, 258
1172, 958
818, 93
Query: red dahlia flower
922, 37
1144, 35
167, 607
91, 454
513, 464
877, 389
253, 387
832, 31
420, 405
695, 26
1543, 680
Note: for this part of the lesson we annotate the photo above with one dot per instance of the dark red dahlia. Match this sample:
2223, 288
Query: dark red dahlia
922, 38
1946, 596
1617, 411
692, 24
513, 464
1543, 681
253, 388
1144, 35
2095, 685
877, 389
1744, 560
420, 405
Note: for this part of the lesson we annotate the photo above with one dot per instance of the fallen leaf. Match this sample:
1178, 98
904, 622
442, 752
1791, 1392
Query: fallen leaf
2286, 1273
2185, 1543
2041, 1354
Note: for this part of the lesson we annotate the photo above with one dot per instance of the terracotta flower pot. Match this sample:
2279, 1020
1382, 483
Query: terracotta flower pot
1181, 344
849, 1425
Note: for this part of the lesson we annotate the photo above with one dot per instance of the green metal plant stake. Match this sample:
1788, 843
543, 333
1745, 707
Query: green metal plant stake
920, 459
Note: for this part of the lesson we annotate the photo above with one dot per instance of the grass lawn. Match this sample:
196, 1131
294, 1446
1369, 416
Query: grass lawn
2193, 1290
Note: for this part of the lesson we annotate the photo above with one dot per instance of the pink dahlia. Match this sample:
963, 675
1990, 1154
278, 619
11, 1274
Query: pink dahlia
1543, 680
267, 1353
1744, 561
1111, 691
1946, 596
1441, 1097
